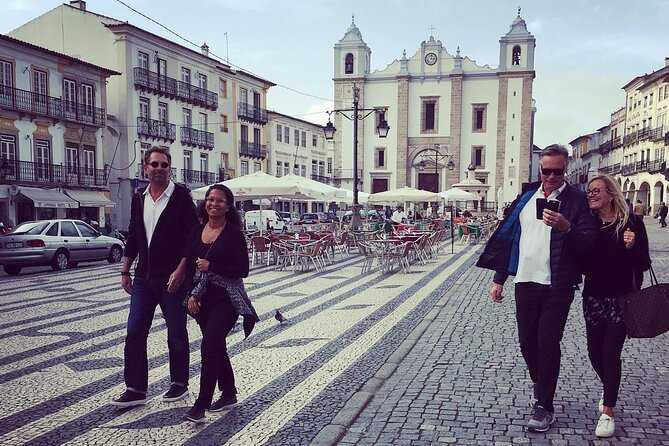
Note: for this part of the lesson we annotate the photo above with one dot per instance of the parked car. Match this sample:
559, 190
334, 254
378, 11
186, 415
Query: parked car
288, 219
269, 218
61, 243
309, 218
324, 218
374, 214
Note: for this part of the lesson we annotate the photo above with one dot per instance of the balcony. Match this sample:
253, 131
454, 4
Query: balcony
657, 133
160, 130
656, 166
605, 147
251, 113
630, 139
149, 81
617, 142
252, 149
321, 178
643, 166
35, 104
199, 138
196, 177
40, 174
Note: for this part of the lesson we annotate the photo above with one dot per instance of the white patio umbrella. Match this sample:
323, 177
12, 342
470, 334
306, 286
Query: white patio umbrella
348, 198
318, 191
403, 194
455, 194
260, 185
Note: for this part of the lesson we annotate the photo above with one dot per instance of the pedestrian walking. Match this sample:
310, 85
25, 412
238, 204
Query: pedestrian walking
546, 230
662, 214
217, 261
161, 217
613, 268
639, 209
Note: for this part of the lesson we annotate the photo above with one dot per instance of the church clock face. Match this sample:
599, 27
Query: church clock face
430, 58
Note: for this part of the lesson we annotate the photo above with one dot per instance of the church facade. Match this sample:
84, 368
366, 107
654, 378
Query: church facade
446, 113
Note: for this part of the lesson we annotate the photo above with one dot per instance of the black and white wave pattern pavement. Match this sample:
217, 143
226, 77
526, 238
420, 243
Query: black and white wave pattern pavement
62, 338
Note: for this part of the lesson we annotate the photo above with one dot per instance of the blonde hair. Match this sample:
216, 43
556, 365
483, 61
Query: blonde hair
620, 208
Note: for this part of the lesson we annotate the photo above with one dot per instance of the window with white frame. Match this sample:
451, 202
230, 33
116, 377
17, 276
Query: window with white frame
279, 168
244, 168
380, 157
142, 60
257, 167
7, 147
204, 163
329, 166
479, 117
286, 168
297, 137
314, 167
185, 75
286, 134
314, 140
243, 95
304, 139
188, 160
204, 122
186, 115
429, 114
202, 81
70, 95
71, 158
162, 112
87, 99
43, 152
304, 170
478, 156
224, 123
321, 168
279, 132
88, 160
144, 107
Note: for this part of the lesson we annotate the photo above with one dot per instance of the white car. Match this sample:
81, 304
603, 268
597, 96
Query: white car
61, 243
268, 218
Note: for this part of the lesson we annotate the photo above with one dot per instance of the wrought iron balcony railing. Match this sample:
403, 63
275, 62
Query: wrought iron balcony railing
320, 178
251, 113
643, 166
195, 137
605, 147
156, 129
28, 172
170, 87
197, 177
24, 101
252, 149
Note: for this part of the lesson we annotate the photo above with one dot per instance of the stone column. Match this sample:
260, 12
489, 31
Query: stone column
453, 176
402, 124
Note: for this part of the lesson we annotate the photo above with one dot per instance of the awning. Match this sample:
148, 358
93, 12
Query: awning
47, 198
90, 198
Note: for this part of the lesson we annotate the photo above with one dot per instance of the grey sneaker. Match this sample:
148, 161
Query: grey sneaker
541, 419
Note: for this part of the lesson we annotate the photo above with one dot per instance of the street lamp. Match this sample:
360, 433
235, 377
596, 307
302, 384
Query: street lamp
356, 114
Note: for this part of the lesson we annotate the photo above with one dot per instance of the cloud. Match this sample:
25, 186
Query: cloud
317, 112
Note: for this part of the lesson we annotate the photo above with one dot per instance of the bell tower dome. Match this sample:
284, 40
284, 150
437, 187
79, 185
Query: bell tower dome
516, 48
351, 55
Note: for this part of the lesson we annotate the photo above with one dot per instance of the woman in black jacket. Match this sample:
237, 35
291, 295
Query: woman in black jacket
615, 267
217, 259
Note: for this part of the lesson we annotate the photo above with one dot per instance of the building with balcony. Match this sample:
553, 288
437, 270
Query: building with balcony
634, 145
52, 135
585, 158
470, 114
210, 117
299, 147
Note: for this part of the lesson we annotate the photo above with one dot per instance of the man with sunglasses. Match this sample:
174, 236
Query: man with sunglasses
161, 217
544, 233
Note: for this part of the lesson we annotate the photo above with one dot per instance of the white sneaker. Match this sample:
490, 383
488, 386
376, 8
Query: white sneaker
606, 427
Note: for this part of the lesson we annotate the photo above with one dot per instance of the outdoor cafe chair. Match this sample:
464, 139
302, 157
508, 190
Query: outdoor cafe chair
370, 255
312, 251
400, 254
262, 246
341, 243
283, 253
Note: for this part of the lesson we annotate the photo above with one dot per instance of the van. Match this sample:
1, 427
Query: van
252, 220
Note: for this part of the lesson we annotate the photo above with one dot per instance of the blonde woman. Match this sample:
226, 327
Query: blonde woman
614, 267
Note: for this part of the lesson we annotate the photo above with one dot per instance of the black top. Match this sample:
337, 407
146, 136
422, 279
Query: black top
169, 235
610, 266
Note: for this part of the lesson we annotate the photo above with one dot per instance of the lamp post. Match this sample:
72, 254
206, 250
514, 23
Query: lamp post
356, 114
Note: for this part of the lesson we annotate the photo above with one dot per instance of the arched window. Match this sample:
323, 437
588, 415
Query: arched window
515, 59
348, 66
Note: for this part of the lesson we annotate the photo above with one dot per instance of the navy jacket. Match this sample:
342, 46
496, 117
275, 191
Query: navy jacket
501, 253
169, 236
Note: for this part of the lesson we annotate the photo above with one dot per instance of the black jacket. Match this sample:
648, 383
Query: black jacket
501, 251
227, 257
169, 235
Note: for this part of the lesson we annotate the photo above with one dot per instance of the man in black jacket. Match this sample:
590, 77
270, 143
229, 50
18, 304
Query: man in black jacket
161, 218
544, 232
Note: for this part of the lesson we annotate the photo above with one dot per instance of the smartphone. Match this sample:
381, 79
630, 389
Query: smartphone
542, 203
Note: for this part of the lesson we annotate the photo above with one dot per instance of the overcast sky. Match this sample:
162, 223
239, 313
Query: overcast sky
586, 49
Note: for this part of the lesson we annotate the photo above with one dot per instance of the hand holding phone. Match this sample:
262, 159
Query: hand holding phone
542, 203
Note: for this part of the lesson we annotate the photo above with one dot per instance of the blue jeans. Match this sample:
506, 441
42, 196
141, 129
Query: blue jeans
145, 296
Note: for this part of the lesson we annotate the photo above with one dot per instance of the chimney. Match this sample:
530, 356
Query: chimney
205, 49
666, 61
81, 4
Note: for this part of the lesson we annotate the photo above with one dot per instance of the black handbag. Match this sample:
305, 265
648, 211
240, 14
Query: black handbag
646, 311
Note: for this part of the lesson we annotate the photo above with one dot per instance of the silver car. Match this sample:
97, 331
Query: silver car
61, 243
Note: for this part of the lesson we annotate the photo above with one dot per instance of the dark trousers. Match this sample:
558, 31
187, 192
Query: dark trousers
663, 221
541, 314
605, 344
216, 321
146, 295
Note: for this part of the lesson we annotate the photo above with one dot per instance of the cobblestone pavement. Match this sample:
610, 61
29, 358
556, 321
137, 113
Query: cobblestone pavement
464, 380
62, 337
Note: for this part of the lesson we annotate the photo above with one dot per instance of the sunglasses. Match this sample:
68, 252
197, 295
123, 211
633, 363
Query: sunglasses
593, 192
155, 164
548, 172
